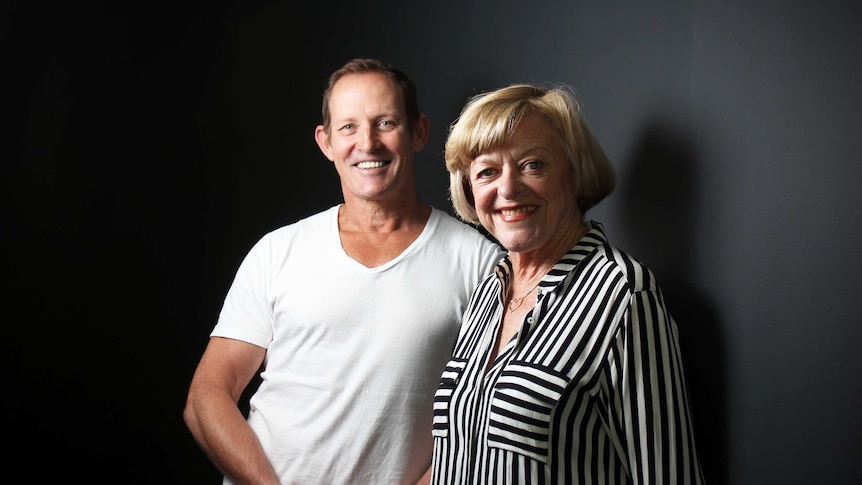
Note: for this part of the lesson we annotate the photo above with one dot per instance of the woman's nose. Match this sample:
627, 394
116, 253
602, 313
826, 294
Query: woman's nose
510, 184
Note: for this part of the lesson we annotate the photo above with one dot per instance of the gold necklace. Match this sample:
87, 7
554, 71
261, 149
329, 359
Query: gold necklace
514, 303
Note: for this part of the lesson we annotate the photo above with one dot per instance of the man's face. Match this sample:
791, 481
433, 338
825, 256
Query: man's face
369, 140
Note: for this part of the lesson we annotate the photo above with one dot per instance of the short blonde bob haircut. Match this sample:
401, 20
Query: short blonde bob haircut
488, 121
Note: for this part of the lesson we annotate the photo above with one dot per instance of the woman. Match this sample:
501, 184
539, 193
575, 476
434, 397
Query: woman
567, 368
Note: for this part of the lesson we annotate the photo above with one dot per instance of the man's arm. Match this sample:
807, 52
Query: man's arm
214, 418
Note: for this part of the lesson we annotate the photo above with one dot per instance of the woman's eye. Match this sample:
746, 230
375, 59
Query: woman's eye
533, 165
484, 173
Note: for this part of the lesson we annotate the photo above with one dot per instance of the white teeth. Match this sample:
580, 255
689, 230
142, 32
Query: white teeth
371, 164
519, 210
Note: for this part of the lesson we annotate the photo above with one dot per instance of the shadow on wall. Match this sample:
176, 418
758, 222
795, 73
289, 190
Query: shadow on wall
659, 204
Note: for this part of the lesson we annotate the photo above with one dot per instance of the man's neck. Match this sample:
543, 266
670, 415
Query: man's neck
373, 216
374, 235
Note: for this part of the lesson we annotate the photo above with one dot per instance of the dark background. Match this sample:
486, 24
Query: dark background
149, 144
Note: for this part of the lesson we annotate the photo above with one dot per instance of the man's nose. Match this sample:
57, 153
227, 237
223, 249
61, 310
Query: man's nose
369, 139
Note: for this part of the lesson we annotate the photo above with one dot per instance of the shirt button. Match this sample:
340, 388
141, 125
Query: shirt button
530, 320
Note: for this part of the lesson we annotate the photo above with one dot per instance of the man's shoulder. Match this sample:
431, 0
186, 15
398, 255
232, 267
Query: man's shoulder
450, 220
465, 239
317, 222
456, 226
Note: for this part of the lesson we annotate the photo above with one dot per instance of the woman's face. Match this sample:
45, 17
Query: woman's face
524, 191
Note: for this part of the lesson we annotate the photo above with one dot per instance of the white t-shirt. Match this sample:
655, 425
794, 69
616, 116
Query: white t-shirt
354, 354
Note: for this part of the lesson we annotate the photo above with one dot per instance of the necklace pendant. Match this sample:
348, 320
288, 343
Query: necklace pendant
515, 303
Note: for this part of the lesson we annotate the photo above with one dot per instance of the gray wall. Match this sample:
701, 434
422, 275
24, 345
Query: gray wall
155, 143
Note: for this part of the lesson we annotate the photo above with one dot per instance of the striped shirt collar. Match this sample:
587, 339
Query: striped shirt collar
594, 238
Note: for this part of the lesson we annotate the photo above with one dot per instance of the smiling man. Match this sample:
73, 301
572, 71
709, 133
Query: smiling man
349, 315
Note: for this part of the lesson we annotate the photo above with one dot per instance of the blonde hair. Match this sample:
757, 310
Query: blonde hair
488, 120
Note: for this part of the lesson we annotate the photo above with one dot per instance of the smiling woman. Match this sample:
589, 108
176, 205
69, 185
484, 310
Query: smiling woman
522, 191
583, 383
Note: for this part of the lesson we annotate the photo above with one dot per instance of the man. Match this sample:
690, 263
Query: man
349, 314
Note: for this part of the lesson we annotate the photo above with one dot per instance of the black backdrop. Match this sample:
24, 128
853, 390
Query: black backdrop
149, 144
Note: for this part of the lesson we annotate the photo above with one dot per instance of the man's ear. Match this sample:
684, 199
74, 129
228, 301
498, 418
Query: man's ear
322, 139
421, 132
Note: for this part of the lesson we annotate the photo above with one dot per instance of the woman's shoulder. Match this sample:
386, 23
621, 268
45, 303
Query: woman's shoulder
637, 274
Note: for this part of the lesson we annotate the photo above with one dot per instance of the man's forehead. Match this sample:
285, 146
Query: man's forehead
355, 93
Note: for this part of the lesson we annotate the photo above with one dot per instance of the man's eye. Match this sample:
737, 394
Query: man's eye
347, 127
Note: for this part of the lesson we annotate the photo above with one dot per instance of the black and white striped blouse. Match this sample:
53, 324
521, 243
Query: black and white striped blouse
589, 391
